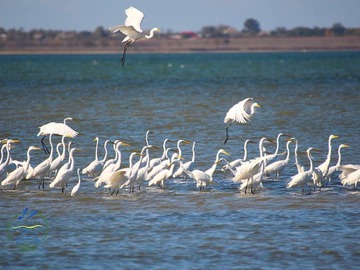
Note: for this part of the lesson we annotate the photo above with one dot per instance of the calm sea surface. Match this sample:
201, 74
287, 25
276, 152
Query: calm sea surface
184, 96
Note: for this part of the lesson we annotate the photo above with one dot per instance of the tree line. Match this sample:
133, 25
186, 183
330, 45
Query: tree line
101, 37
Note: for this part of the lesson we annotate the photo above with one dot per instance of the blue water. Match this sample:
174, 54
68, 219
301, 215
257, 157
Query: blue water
185, 96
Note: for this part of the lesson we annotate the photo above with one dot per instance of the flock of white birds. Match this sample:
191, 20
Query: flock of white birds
154, 170
109, 173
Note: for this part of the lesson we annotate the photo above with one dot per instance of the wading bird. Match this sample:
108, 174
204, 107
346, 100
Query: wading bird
324, 167
19, 173
304, 178
132, 29
76, 188
240, 113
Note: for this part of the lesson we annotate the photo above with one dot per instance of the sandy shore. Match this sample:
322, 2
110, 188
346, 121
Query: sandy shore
246, 44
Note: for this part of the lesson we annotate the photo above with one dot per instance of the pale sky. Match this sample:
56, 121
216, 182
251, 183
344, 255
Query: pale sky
177, 15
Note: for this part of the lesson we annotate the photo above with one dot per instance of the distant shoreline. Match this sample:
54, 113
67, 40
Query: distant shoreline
206, 45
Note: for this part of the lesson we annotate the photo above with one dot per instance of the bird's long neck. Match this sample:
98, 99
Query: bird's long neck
96, 149
64, 148
2, 153
51, 148
106, 151
151, 34
245, 151
329, 153
71, 156
288, 151
8, 153
27, 163
339, 159
118, 161
277, 145
193, 153
311, 162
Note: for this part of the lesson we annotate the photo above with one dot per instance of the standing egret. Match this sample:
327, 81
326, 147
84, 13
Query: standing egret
95, 167
43, 168
156, 161
64, 174
187, 165
19, 173
204, 178
132, 29
119, 178
247, 170
324, 167
76, 188
336, 167
240, 113
111, 168
237, 162
156, 169
8, 166
303, 178
56, 163
278, 166
165, 174
299, 167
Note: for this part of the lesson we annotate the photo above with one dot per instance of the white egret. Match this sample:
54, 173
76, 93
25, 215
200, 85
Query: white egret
240, 113
132, 29
336, 167
324, 167
8, 166
156, 161
61, 129
76, 188
299, 167
95, 167
111, 168
352, 178
189, 165
204, 178
64, 174
347, 169
155, 170
247, 170
137, 174
19, 173
160, 178
237, 162
119, 178
278, 166
56, 163
143, 171
43, 168
304, 178
276, 153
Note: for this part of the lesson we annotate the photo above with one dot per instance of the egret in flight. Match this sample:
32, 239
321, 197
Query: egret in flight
241, 113
61, 129
132, 29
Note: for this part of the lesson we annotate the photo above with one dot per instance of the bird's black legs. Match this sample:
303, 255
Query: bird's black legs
44, 148
227, 132
124, 52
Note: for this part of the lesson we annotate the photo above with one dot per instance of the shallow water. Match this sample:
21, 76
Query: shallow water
185, 96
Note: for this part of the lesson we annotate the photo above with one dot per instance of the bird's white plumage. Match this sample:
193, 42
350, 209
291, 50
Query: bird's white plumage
134, 18
241, 112
61, 129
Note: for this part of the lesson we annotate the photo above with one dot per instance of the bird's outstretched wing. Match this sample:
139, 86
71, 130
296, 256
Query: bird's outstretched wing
240, 112
134, 18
